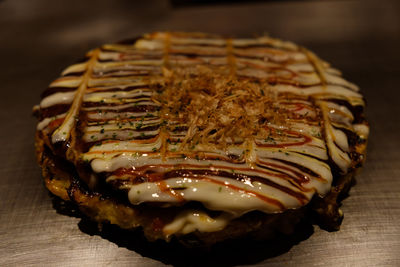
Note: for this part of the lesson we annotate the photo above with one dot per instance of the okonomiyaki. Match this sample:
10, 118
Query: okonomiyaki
202, 138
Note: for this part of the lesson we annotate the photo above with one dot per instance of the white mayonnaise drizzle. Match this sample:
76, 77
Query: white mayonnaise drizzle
362, 130
197, 41
67, 82
45, 122
57, 99
238, 42
333, 136
191, 220
217, 196
98, 96
64, 131
337, 80
75, 68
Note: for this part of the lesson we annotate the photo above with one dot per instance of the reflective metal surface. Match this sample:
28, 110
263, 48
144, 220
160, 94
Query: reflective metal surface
40, 38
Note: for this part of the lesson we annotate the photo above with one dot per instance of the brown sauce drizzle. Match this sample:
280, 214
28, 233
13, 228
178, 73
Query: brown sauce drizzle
53, 111
298, 106
122, 73
162, 185
130, 56
303, 169
301, 178
138, 108
59, 89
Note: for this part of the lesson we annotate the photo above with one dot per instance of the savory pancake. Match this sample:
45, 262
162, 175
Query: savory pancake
201, 137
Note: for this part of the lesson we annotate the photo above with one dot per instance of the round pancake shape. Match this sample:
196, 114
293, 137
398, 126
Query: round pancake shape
201, 137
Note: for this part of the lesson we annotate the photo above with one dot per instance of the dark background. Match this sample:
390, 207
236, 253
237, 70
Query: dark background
39, 38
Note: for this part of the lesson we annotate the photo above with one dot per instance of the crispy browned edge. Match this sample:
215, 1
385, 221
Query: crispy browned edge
65, 184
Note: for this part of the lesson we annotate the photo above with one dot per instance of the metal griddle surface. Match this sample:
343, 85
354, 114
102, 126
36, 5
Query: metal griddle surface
40, 38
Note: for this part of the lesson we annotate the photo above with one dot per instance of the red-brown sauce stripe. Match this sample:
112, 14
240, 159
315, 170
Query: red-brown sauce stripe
157, 176
306, 139
269, 200
166, 189
55, 123
299, 106
162, 185
127, 120
186, 167
254, 65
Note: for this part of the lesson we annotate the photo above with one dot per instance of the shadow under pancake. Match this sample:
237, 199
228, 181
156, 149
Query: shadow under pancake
227, 253
65, 207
